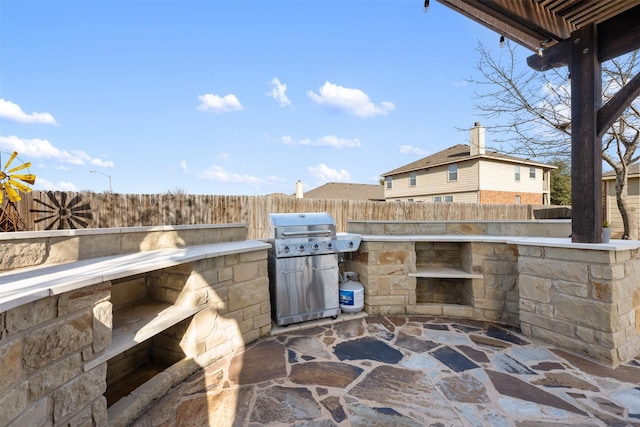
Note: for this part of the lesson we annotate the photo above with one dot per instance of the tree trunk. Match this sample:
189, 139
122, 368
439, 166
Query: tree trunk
627, 212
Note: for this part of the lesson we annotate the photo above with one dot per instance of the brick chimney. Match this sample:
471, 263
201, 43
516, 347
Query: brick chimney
476, 140
299, 190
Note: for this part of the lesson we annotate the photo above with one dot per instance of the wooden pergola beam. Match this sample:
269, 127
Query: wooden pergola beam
586, 146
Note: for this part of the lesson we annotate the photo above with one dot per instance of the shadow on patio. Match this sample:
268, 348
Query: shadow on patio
401, 371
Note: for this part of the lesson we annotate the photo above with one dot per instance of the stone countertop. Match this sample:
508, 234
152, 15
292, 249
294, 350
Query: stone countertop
554, 242
18, 287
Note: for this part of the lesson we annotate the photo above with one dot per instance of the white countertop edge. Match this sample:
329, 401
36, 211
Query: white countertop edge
554, 242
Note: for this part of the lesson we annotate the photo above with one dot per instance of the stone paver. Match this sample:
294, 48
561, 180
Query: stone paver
402, 371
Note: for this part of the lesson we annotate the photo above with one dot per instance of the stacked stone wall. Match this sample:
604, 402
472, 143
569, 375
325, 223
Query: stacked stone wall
43, 347
587, 301
384, 269
50, 373
34, 248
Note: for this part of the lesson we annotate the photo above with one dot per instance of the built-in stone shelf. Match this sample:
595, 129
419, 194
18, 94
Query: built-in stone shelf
443, 272
137, 323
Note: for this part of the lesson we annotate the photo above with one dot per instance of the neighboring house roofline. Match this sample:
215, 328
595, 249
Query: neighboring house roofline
461, 153
632, 172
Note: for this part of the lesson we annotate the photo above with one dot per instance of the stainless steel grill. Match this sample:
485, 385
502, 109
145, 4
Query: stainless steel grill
303, 266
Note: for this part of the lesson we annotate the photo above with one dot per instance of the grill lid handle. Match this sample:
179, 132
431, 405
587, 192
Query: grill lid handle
307, 233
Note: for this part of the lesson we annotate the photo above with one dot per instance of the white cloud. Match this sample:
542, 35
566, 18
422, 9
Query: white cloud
44, 185
183, 166
325, 141
217, 173
326, 174
224, 157
279, 92
41, 148
353, 101
219, 104
13, 112
413, 151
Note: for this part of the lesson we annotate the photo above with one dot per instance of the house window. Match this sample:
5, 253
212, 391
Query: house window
448, 199
412, 179
409, 200
517, 199
437, 199
389, 181
453, 172
517, 172
532, 172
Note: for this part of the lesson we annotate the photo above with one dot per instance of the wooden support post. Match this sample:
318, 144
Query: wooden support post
586, 146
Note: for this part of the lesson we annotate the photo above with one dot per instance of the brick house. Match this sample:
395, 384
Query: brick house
470, 174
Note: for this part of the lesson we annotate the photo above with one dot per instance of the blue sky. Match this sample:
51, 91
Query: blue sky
231, 97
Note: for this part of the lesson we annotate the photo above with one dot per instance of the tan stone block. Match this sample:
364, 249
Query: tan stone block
13, 403
628, 351
527, 305
102, 326
246, 272
558, 270
489, 304
501, 267
398, 257
101, 244
585, 334
29, 315
231, 260
594, 314
37, 414
250, 336
262, 321
55, 376
99, 412
463, 311
84, 298
127, 291
64, 249
248, 293
260, 255
386, 300
560, 327
546, 310
427, 309
571, 288
608, 272
535, 288
530, 251
465, 228
11, 364
580, 255
43, 346
19, 254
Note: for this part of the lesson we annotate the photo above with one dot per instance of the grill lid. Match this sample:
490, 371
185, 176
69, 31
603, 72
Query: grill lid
292, 225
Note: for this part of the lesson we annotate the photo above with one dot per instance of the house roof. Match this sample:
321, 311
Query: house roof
633, 170
346, 191
459, 153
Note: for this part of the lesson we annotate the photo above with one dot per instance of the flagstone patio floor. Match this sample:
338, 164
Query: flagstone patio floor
401, 371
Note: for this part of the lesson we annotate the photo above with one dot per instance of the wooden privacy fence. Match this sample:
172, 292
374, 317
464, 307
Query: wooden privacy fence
42, 210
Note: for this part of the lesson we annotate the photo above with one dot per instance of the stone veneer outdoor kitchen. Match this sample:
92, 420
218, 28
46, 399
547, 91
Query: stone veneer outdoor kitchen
69, 329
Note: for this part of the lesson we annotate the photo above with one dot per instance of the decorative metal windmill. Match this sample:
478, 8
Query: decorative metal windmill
12, 184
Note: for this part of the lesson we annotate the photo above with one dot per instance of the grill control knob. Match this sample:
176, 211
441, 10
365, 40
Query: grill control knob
285, 249
329, 245
350, 244
315, 247
301, 248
